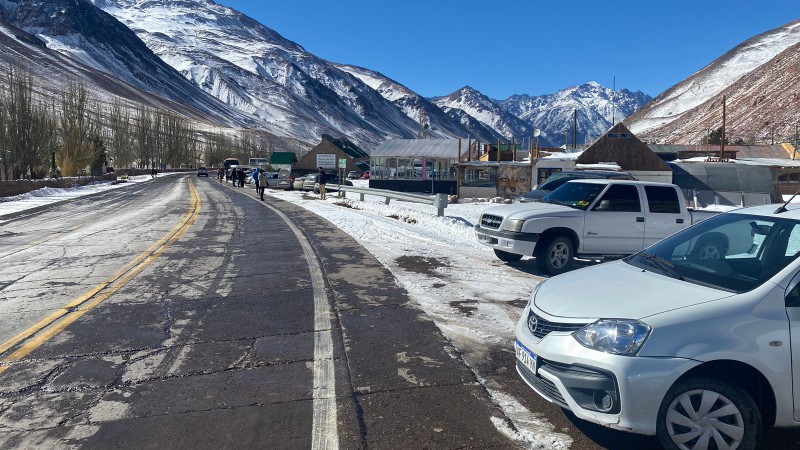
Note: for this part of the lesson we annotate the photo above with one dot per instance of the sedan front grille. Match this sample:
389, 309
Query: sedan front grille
491, 221
543, 385
541, 327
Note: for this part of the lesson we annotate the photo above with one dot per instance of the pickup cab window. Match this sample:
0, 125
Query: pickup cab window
620, 198
575, 195
662, 200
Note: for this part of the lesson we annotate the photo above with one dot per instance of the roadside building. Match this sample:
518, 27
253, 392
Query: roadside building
416, 165
329, 151
623, 148
282, 160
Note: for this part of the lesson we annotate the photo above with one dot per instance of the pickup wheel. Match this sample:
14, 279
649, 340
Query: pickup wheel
708, 413
711, 247
506, 256
554, 257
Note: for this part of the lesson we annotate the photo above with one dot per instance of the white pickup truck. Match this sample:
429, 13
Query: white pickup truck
596, 219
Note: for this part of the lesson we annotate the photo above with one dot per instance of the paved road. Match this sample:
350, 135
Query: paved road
185, 313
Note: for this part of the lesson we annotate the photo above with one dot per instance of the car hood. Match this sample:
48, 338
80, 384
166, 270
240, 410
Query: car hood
619, 290
525, 210
533, 196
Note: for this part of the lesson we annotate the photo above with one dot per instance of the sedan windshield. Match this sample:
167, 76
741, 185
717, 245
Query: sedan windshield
732, 252
574, 194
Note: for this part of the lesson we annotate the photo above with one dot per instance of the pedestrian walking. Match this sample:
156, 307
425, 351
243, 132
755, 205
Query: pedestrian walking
321, 183
220, 174
241, 177
254, 175
154, 173
261, 183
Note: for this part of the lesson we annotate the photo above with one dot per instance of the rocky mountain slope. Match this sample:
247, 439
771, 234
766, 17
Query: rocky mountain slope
64, 40
758, 77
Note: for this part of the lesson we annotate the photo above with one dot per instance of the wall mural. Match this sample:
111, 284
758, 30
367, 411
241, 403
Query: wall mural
513, 180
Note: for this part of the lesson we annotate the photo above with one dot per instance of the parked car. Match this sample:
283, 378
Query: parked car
297, 184
331, 182
202, 172
702, 350
354, 175
558, 179
286, 177
365, 176
596, 218
272, 179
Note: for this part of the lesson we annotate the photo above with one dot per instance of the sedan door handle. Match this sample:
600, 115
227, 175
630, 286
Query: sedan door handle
678, 220
640, 219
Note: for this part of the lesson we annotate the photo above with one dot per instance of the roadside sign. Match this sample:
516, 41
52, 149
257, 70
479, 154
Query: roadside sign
342, 163
326, 160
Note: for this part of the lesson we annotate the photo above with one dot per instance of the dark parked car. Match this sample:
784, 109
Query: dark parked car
557, 179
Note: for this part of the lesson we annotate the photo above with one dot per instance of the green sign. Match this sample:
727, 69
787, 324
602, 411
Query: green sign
342, 163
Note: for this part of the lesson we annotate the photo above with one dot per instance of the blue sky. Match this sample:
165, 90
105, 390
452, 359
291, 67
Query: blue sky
532, 47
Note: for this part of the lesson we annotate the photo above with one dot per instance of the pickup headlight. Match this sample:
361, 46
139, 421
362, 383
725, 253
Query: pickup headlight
513, 225
614, 336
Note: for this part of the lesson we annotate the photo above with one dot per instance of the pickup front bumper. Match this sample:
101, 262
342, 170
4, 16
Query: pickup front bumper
508, 241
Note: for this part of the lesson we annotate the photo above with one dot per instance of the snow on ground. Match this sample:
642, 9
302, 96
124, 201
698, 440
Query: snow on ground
47, 196
473, 297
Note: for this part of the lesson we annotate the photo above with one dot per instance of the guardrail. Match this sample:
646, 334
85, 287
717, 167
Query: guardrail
439, 200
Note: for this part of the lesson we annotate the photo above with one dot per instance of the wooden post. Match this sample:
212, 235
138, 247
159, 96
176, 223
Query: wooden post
458, 168
498, 150
514, 147
722, 138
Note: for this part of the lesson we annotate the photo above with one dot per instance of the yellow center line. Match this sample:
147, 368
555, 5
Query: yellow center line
85, 303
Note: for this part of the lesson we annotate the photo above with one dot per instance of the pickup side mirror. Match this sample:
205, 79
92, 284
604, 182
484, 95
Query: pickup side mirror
604, 205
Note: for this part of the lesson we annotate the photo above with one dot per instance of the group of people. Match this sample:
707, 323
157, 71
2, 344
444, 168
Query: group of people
237, 176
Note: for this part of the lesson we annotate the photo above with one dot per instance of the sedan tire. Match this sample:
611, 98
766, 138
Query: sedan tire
700, 413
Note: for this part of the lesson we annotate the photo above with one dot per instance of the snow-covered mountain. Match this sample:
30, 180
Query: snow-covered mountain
213, 63
254, 69
487, 111
598, 108
441, 124
63, 40
754, 76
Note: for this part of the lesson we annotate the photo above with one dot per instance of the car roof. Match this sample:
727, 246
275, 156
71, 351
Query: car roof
792, 211
614, 181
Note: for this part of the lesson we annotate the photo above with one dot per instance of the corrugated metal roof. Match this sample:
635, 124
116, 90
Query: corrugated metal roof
742, 151
412, 148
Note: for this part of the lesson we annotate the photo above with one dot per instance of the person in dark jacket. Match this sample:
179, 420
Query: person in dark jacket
321, 183
241, 177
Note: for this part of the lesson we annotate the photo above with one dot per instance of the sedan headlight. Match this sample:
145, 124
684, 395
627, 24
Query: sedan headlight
616, 336
513, 225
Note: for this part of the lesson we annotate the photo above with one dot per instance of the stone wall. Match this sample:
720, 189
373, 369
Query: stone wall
17, 187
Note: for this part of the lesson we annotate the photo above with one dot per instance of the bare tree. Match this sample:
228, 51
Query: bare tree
120, 141
76, 130
29, 128
143, 136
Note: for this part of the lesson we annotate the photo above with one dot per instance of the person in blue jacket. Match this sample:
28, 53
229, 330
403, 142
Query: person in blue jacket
255, 178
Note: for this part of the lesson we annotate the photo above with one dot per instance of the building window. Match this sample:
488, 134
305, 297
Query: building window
480, 177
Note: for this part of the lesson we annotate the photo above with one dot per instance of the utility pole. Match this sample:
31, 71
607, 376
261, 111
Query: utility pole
722, 139
575, 129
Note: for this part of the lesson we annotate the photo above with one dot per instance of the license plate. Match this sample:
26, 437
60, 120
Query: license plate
526, 357
487, 238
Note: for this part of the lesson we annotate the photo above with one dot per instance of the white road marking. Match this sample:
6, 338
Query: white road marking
324, 431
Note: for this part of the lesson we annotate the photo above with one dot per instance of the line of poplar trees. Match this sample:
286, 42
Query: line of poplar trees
82, 133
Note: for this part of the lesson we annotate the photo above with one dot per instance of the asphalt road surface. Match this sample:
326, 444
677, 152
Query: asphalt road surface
185, 313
